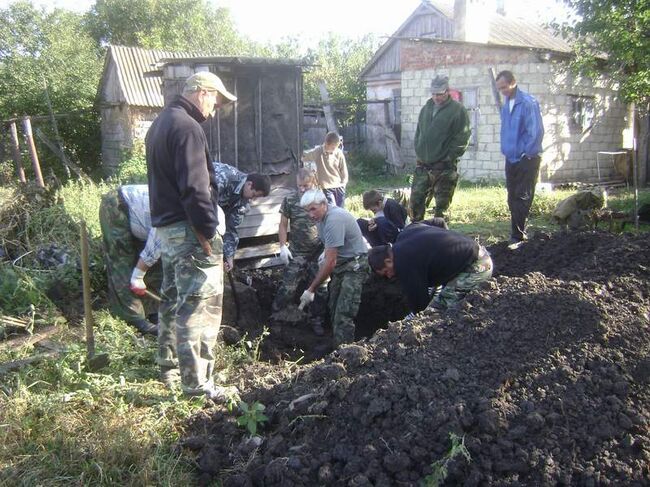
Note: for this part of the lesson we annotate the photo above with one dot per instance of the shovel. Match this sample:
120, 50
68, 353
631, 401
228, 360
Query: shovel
94, 362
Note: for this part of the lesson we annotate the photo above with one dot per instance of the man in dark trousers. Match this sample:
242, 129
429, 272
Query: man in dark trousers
425, 257
441, 137
183, 194
522, 132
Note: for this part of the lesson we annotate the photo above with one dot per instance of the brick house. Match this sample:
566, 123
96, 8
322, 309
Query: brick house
470, 41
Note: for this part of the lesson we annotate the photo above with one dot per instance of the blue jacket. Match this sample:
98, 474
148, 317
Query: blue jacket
522, 129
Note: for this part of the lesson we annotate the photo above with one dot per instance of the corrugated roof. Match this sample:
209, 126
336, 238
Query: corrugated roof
504, 31
131, 64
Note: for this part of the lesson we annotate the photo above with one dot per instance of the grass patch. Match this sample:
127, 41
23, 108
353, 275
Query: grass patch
63, 424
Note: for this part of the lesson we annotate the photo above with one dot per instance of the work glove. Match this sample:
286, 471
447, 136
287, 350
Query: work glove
138, 287
409, 317
321, 259
285, 254
306, 298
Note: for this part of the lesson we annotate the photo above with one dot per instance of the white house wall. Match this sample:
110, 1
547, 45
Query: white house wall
569, 154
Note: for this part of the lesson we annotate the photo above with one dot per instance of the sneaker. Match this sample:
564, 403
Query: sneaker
515, 244
145, 327
221, 394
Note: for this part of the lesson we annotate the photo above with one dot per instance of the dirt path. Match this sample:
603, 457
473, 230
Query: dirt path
545, 374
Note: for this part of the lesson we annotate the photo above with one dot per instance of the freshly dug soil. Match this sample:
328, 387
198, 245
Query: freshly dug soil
544, 373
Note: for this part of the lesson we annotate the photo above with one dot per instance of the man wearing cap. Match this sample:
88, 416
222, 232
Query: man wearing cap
441, 138
183, 193
345, 261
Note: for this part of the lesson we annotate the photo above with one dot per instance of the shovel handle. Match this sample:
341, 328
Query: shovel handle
85, 277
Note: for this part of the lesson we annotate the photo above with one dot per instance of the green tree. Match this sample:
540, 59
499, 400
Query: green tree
40, 49
614, 34
338, 61
189, 25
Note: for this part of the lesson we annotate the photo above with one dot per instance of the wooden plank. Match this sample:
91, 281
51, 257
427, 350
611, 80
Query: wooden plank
258, 251
28, 340
327, 108
258, 231
7, 367
495, 92
260, 263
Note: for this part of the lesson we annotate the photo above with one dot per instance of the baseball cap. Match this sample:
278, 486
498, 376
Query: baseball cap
439, 84
204, 80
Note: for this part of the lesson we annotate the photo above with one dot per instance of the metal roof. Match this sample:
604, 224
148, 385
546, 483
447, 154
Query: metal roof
131, 64
504, 31
139, 76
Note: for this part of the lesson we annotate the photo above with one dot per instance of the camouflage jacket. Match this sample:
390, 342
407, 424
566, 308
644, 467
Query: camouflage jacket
230, 182
304, 233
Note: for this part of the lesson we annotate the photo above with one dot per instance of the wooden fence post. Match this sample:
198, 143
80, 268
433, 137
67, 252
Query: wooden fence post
27, 127
15, 150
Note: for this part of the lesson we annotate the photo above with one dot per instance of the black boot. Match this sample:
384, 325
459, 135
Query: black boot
145, 327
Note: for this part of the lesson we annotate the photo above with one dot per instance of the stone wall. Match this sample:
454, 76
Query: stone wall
570, 151
121, 126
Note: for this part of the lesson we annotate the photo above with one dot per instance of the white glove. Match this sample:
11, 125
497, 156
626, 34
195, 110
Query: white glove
409, 317
306, 298
321, 259
221, 226
138, 287
285, 254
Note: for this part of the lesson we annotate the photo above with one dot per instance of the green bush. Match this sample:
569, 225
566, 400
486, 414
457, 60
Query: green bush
366, 164
20, 292
133, 168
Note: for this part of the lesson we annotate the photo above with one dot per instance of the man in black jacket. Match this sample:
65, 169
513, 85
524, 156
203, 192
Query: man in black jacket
183, 197
425, 257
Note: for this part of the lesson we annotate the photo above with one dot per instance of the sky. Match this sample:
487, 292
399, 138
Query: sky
271, 20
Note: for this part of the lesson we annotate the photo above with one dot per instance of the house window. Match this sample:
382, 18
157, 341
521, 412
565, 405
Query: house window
582, 112
469, 98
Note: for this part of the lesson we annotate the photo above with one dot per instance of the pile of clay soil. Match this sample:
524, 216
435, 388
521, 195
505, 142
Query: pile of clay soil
544, 373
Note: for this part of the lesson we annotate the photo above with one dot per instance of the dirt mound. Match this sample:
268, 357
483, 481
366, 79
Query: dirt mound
544, 373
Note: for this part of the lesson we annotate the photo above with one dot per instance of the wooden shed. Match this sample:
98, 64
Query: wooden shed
128, 101
260, 132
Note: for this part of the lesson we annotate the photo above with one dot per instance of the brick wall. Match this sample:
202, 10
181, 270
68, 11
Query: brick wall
569, 151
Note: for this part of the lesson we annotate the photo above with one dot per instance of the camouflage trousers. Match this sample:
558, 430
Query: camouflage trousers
297, 276
345, 288
468, 280
190, 312
121, 251
428, 184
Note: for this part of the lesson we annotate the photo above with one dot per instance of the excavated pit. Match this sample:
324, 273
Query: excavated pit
290, 335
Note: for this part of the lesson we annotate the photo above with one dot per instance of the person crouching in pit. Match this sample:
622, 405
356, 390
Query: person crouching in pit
300, 254
425, 257
345, 262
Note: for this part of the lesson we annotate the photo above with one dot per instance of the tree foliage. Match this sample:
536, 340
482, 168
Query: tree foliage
338, 61
617, 33
173, 25
40, 50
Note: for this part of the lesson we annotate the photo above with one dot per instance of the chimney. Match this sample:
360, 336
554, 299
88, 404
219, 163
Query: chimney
471, 21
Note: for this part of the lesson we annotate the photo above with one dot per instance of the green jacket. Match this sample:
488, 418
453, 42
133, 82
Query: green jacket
443, 137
